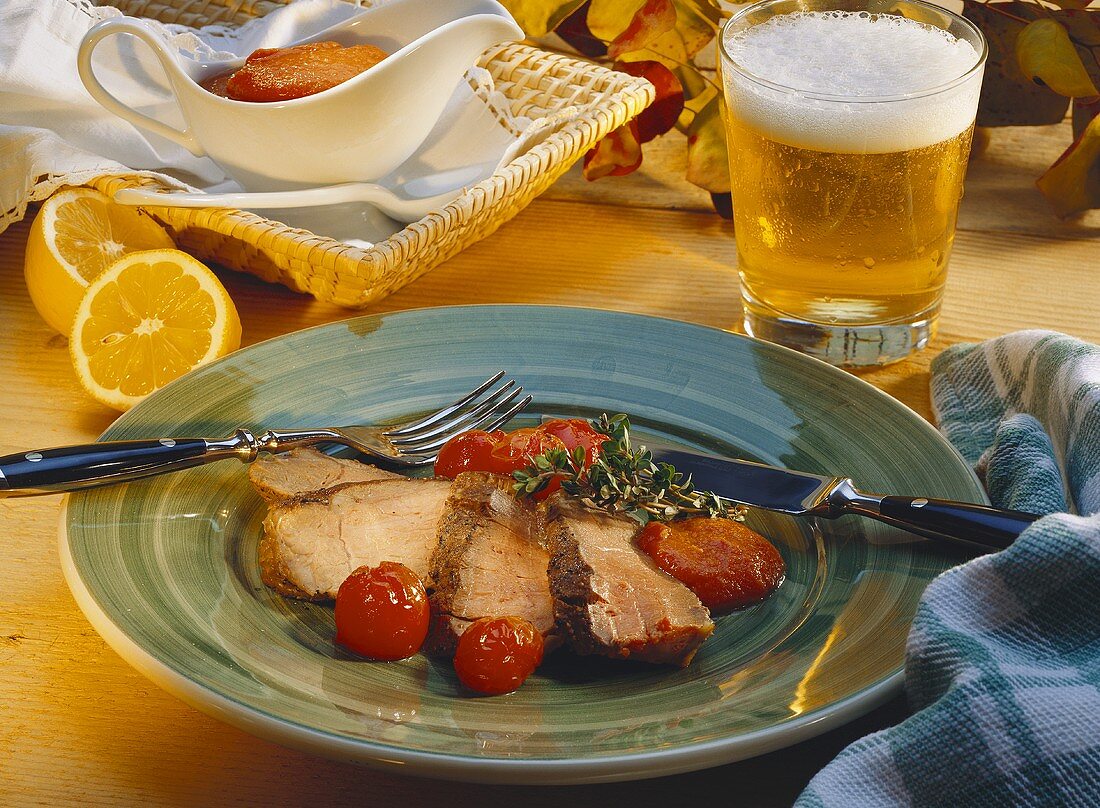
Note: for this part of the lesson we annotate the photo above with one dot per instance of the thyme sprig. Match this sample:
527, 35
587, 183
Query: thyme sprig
623, 479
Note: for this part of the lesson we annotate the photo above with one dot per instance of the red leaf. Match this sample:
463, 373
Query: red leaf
574, 30
617, 154
654, 18
661, 115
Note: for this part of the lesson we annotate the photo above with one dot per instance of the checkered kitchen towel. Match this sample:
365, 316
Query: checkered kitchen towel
1003, 662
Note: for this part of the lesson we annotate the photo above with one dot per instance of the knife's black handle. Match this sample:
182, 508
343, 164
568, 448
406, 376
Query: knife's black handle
956, 521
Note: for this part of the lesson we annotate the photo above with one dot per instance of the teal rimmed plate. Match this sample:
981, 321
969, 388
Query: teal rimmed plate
165, 569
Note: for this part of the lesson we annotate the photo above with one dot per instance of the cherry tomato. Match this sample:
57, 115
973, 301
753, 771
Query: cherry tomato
382, 612
496, 654
575, 432
729, 566
515, 450
469, 451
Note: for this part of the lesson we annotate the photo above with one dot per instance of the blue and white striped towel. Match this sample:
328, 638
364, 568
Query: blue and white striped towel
1002, 666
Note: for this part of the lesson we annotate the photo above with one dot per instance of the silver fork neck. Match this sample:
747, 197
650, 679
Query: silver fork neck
246, 445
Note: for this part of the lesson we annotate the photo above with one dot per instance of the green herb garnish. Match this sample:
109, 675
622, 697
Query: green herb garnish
623, 479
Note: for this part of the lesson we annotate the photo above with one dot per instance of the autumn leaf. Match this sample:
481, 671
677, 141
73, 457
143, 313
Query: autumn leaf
1070, 4
1069, 185
697, 22
540, 17
1047, 56
607, 19
654, 18
708, 160
661, 115
707, 10
574, 30
1008, 97
617, 154
1084, 110
1083, 27
723, 205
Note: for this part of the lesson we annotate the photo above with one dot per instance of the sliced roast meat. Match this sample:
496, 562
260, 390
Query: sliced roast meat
609, 596
299, 471
313, 542
489, 562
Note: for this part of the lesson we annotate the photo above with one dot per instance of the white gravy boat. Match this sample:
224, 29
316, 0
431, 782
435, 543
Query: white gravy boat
357, 131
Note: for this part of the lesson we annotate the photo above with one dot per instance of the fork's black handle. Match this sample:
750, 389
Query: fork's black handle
70, 468
991, 528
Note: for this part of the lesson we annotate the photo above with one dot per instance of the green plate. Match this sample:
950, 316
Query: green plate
166, 570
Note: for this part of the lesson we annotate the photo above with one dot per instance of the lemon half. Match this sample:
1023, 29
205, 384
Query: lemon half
147, 319
77, 234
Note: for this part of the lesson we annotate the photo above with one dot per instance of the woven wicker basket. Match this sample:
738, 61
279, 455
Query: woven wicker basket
534, 83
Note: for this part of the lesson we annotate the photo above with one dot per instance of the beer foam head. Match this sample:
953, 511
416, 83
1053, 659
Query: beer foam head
853, 55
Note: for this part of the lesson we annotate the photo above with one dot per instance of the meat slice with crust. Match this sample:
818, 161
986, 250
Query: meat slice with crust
300, 471
489, 562
313, 542
610, 598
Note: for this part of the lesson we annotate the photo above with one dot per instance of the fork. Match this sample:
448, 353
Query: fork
409, 445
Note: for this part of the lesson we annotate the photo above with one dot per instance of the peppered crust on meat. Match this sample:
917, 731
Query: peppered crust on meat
489, 562
610, 598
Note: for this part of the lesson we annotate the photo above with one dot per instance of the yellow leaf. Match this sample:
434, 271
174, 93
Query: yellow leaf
539, 17
708, 160
1072, 184
698, 22
1047, 56
698, 92
607, 19
654, 18
1009, 98
618, 154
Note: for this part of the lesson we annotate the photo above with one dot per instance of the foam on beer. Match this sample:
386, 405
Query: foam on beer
855, 55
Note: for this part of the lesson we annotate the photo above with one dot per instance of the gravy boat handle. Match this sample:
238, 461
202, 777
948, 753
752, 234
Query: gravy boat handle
95, 88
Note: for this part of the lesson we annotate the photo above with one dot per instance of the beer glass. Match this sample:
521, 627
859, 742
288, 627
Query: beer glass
849, 125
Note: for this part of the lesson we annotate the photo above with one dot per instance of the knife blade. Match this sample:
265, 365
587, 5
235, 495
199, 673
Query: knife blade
754, 484
799, 493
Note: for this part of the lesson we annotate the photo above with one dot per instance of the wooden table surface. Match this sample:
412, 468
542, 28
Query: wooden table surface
77, 724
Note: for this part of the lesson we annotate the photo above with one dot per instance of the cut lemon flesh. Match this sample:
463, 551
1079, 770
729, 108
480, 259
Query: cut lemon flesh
77, 234
148, 319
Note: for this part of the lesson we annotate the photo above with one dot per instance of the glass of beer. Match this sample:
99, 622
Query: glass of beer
849, 126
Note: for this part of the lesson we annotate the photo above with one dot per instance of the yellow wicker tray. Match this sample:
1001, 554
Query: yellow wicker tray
533, 83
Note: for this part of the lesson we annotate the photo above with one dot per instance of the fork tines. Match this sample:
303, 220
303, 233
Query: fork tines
478, 409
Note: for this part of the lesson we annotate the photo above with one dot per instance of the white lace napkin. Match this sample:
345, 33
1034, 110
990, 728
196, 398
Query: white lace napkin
52, 133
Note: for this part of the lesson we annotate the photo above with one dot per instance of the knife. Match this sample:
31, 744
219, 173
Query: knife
800, 494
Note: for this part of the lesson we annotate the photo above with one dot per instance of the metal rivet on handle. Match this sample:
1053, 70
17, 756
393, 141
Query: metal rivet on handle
919, 503
167, 442
33, 457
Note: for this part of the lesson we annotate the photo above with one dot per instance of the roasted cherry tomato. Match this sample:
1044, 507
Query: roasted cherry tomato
497, 654
575, 432
469, 451
382, 612
728, 565
515, 450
